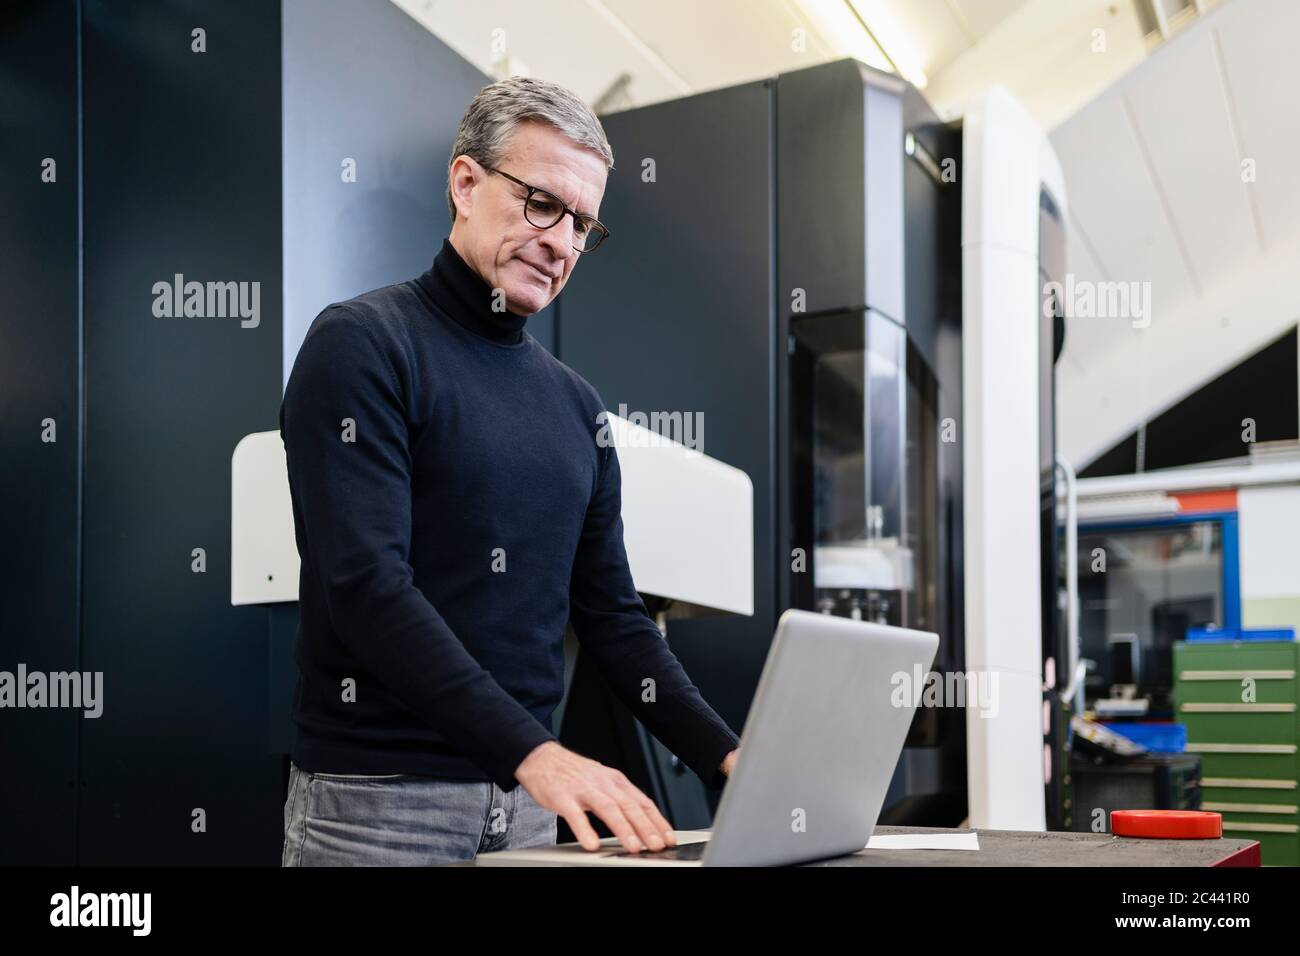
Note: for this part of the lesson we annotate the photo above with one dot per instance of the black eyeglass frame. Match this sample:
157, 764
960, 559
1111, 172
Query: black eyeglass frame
600, 229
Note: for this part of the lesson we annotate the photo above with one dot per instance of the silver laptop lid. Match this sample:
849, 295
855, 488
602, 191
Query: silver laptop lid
823, 737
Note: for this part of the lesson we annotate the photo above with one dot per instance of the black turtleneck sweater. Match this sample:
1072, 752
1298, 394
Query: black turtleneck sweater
453, 511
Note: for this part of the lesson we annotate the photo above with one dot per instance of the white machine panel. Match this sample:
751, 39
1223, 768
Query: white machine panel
688, 522
263, 552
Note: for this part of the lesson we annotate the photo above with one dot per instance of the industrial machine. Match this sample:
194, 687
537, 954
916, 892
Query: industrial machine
775, 311
847, 291
869, 455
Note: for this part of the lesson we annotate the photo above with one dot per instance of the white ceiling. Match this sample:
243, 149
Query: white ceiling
671, 48
1153, 167
1150, 144
1054, 55
938, 31
1040, 49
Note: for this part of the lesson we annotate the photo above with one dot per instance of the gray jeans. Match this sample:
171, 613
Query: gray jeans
404, 820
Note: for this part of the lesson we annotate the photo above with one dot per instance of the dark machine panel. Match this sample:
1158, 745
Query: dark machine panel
40, 368
1051, 340
344, 238
840, 208
933, 268
674, 313
182, 175
839, 253
871, 394
763, 278
168, 162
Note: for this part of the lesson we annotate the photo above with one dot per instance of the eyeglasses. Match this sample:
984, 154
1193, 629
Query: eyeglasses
544, 210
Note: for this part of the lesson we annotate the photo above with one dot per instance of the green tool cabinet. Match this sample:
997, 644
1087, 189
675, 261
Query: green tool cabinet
1238, 700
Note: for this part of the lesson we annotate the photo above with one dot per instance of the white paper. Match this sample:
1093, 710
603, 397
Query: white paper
924, 841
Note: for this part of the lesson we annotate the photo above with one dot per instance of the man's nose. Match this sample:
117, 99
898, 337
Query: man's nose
559, 238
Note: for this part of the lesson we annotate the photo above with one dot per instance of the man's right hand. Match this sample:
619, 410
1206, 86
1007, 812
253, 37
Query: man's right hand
569, 784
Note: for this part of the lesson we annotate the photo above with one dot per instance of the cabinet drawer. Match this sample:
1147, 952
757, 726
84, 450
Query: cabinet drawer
1241, 655
1233, 686
1240, 724
1238, 761
1239, 793
1264, 804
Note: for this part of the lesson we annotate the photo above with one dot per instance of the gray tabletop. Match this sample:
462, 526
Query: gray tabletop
997, 848
1017, 848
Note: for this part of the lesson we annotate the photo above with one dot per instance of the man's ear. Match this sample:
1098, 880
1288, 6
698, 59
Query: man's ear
465, 174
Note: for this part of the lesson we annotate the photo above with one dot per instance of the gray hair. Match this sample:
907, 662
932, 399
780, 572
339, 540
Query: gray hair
496, 112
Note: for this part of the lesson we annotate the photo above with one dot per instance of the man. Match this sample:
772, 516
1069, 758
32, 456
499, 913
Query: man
453, 511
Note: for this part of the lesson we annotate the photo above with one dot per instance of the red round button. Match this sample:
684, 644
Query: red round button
1167, 824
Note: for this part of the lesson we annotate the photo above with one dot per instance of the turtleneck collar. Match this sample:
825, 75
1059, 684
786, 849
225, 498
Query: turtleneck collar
460, 292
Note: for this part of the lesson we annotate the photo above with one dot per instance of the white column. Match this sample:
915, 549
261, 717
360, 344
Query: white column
1000, 302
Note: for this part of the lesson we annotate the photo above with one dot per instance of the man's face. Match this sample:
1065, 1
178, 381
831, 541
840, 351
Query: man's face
529, 264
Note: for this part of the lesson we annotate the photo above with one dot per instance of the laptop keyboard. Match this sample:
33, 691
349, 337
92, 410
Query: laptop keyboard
690, 851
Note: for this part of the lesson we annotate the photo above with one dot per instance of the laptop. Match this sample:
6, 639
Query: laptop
824, 734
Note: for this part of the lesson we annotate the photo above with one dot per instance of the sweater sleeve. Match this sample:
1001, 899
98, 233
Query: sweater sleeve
612, 625
353, 502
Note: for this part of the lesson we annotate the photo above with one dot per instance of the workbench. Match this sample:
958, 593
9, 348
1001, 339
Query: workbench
997, 848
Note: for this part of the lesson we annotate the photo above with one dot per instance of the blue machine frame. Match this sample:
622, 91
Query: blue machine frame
1231, 551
